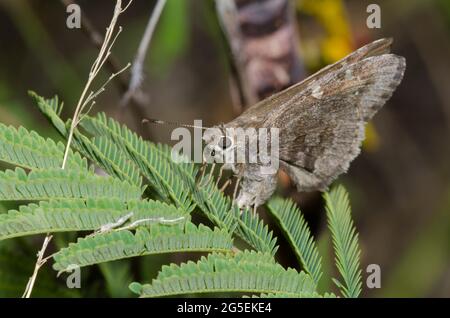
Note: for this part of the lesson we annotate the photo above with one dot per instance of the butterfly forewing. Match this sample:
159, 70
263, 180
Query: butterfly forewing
255, 115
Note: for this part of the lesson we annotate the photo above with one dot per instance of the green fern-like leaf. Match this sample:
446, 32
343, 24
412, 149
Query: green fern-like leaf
51, 108
155, 167
59, 184
29, 150
154, 240
109, 157
296, 229
253, 230
246, 272
215, 205
345, 241
79, 215
100, 150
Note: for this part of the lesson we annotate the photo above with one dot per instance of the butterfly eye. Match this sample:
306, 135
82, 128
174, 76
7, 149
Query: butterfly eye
225, 142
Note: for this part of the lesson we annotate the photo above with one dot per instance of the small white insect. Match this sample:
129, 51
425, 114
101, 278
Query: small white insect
110, 226
116, 226
160, 220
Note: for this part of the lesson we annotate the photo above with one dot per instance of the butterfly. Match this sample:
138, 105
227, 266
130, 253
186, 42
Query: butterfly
320, 120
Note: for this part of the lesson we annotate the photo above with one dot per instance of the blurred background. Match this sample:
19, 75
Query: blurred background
195, 69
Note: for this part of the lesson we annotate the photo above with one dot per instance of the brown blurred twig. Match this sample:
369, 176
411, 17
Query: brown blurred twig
137, 70
264, 45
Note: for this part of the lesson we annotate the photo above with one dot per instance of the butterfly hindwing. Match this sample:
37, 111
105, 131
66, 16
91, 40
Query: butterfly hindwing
321, 130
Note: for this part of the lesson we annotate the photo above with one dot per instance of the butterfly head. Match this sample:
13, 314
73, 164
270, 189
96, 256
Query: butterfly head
218, 145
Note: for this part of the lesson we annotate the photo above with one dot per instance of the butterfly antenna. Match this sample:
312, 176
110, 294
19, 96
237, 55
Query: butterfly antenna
162, 122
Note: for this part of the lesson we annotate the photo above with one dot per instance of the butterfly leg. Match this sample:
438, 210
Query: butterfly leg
211, 172
202, 171
226, 184
220, 175
236, 186
255, 207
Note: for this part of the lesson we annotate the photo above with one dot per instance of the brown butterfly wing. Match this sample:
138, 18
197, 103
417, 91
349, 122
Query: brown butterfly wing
255, 115
322, 130
321, 120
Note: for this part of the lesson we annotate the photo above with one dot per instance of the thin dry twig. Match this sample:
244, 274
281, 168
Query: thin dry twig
105, 52
40, 261
113, 64
96, 38
137, 70
86, 100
